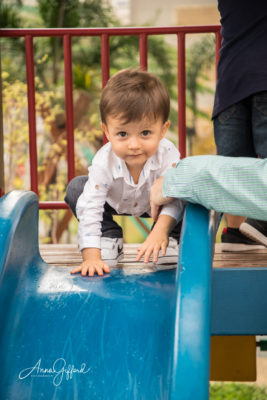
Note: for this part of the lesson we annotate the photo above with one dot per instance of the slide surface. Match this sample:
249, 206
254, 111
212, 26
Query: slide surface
115, 337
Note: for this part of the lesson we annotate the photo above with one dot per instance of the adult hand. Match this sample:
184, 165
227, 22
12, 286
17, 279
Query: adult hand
156, 198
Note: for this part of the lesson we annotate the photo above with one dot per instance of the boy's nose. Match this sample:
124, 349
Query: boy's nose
134, 143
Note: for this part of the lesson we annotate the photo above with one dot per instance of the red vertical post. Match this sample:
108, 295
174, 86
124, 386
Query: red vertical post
218, 44
69, 106
181, 95
105, 58
143, 51
31, 112
105, 65
2, 163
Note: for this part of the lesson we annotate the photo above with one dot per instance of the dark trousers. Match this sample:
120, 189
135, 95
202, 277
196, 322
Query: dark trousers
109, 227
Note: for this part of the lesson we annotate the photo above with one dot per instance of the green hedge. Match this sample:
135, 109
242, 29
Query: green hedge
237, 391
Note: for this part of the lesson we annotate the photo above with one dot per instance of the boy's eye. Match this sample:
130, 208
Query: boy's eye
145, 133
122, 134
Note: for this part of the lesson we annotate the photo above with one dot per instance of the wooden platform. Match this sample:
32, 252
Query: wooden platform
68, 255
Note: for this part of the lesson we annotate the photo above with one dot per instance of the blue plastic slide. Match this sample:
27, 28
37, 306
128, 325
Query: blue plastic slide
117, 337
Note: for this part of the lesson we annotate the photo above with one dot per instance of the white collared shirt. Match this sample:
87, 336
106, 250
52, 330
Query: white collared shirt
109, 180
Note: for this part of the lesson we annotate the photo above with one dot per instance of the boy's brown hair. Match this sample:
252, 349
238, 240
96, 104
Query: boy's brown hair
133, 94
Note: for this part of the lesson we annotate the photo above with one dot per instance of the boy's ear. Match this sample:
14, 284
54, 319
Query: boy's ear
105, 129
165, 128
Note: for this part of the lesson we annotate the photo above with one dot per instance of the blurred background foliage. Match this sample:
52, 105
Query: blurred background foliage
58, 226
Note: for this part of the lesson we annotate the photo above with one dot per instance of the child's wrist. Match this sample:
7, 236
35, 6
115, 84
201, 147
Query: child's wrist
164, 225
91, 252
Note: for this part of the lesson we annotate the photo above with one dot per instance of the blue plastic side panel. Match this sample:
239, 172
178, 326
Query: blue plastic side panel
115, 331
192, 327
69, 337
239, 301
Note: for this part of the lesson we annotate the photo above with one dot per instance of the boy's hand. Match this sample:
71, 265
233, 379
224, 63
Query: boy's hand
92, 263
155, 242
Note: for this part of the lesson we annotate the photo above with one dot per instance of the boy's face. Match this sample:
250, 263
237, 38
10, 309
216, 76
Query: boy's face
134, 142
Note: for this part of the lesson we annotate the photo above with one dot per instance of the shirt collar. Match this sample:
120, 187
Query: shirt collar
120, 170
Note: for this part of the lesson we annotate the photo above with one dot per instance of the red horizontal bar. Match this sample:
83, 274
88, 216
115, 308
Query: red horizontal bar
52, 205
109, 31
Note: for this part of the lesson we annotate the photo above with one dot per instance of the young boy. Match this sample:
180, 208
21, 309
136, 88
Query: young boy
134, 110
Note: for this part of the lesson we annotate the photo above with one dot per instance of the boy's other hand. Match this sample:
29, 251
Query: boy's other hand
90, 267
92, 263
155, 242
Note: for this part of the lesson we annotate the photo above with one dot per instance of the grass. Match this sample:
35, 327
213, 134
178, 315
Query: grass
237, 391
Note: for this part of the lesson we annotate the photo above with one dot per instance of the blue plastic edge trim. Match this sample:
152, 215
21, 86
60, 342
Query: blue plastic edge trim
191, 356
13, 207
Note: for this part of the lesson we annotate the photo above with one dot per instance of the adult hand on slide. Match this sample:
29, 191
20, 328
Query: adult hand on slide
156, 198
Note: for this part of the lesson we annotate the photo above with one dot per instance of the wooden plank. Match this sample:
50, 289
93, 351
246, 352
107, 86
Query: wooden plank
68, 254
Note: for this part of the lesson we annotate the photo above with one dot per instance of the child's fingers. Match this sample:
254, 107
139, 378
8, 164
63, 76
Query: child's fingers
91, 270
99, 270
141, 251
140, 254
148, 253
75, 270
103, 268
163, 248
85, 270
106, 268
156, 253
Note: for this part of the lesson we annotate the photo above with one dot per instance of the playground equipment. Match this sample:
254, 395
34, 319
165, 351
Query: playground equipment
118, 336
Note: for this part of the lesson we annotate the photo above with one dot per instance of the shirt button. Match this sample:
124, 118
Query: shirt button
174, 165
135, 204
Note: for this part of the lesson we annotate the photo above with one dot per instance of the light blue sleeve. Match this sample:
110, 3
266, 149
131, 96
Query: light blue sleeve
237, 186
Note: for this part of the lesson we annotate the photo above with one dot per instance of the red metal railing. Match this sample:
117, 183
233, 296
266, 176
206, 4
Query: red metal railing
104, 34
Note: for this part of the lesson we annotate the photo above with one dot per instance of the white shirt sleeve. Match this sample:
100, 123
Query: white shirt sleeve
90, 206
170, 157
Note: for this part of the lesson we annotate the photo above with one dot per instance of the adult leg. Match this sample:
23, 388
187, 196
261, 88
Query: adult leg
257, 229
233, 137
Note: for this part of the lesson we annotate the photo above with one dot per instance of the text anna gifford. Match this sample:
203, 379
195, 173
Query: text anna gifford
57, 371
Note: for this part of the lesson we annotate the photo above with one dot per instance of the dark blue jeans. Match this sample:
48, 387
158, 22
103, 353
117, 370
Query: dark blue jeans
109, 227
241, 129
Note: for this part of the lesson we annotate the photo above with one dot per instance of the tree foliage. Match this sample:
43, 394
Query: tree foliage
237, 391
9, 14
50, 98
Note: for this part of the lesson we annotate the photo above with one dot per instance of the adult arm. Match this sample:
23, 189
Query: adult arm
225, 184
